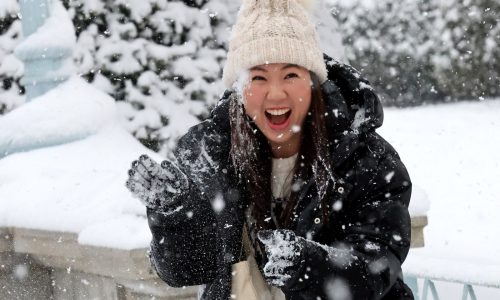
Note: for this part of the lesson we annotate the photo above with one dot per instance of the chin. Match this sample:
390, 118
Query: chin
279, 138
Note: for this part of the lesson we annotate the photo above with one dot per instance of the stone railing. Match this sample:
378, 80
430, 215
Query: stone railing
37, 264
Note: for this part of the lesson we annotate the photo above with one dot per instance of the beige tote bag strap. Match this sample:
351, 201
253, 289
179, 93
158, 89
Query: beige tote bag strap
258, 282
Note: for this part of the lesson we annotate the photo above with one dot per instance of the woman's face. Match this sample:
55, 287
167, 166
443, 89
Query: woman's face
277, 98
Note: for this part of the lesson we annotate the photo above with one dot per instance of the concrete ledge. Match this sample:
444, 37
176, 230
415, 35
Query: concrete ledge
6, 240
417, 231
74, 271
87, 272
62, 250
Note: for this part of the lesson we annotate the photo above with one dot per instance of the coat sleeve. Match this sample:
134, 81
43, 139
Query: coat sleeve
183, 247
365, 260
183, 235
183, 254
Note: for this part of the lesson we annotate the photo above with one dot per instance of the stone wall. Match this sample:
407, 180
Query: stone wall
37, 264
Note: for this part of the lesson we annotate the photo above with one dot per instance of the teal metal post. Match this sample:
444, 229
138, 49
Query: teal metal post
41, 64
413, 285
429, 286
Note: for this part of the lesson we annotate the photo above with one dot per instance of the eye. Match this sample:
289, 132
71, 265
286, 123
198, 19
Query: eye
257, 77
291, 75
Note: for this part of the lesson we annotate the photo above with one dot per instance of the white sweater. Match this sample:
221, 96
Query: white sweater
281, 176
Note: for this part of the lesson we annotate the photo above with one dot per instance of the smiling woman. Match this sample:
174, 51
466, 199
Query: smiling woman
286, 191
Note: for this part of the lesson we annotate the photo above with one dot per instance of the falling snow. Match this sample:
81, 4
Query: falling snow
338, 289
389, 176
337, 205
218, 203
21, 272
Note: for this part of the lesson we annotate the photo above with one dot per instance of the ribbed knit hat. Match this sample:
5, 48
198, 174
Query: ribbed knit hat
273, 31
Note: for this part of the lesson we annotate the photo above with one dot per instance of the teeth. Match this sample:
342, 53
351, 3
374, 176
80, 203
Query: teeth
277, 112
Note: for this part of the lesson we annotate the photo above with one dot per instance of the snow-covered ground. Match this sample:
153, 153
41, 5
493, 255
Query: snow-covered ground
77, 186
452, 151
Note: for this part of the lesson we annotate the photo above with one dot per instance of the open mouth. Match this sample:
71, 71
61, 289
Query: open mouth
278, 116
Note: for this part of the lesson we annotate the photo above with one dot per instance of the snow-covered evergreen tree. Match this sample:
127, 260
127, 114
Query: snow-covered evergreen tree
160, 60
425, 50
471, 52
391, 42
11, 69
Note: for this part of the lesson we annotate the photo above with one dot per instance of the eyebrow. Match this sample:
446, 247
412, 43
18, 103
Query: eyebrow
257, 68
290, 66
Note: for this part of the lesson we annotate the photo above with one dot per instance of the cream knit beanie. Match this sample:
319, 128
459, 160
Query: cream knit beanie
273, 31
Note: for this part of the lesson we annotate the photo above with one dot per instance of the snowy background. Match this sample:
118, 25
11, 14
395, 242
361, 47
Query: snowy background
154, 69
452, 152
143, 52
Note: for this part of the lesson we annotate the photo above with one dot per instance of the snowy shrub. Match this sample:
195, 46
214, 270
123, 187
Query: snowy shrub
471, 52
391, 42
160, 60
425, 50
11, 69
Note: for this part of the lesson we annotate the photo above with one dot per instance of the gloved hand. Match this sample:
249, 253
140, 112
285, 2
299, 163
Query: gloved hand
285, 257
157, 186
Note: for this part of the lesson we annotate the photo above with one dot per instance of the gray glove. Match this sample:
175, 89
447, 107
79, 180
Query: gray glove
157, 186
284, 251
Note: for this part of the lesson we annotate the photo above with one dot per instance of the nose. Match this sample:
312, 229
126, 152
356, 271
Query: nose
276, 92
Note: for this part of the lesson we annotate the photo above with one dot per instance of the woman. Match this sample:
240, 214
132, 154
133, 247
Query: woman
286, 191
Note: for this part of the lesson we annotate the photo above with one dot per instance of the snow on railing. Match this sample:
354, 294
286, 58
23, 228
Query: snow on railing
468, 273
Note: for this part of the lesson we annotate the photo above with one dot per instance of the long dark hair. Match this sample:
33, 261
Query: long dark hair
252, 158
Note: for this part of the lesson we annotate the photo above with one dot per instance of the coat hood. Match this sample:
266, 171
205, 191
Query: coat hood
358, 109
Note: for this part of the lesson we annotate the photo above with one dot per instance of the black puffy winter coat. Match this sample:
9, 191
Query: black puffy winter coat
367, 239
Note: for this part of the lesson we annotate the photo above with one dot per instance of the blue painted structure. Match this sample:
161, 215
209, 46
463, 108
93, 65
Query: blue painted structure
43, 71
40, 64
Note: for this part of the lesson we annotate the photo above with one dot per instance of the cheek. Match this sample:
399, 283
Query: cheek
251, 108
303, 102
252, 103
307, 102
304, 109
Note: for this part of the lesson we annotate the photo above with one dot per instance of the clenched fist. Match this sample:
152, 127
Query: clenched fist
284, 251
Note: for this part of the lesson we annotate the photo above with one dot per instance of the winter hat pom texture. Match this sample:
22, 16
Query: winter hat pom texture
273, 31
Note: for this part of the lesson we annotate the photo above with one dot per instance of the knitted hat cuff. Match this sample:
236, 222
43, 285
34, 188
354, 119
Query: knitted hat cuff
268, 50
